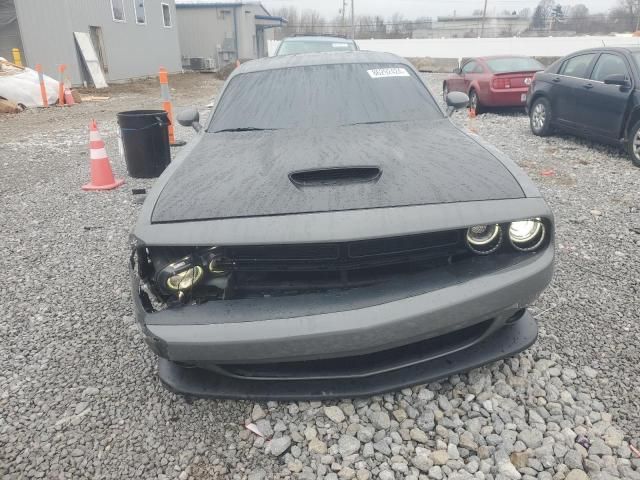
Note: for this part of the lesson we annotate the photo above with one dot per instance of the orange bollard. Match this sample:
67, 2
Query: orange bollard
237, 63
61, 99
43, 89
167, 107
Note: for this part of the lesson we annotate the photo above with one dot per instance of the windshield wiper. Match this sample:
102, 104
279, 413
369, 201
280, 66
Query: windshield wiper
244, 129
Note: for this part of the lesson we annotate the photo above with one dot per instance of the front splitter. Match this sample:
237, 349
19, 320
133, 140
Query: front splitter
198, 382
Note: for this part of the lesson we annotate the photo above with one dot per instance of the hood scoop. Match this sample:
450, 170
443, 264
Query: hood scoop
335, 176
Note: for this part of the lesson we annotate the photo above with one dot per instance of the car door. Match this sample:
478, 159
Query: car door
470, 73
569, 82
602, 107
457, 82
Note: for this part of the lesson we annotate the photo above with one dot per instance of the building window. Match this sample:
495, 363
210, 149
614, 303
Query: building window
141, 16
223, 14
117, 10
166, 15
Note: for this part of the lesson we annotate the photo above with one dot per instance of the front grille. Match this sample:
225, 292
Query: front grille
275, 270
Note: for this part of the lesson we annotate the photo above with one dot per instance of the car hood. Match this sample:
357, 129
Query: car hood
247, 174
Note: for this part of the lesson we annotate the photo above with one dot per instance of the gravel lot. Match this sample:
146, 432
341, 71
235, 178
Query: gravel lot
79, 397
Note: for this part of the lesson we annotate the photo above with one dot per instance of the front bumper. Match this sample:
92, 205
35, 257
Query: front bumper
199, 382
227, 333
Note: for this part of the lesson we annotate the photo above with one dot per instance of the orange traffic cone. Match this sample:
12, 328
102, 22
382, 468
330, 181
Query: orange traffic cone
237, 63
101, 174
68, 97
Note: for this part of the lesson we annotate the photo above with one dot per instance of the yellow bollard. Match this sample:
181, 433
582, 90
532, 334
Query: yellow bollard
17, 58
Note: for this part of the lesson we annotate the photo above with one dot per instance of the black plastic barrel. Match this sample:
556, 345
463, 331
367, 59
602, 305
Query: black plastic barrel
145, 139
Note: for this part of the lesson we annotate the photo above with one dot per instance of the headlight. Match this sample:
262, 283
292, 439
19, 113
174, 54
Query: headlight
180, 276
527, 235
185, 280
484, 239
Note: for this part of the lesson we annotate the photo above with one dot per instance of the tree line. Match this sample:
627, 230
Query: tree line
548, 17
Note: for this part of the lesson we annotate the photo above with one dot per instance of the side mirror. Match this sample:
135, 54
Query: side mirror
190, 117
457, 71
456, 101
617, 79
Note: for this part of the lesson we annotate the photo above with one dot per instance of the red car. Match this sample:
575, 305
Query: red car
501, 81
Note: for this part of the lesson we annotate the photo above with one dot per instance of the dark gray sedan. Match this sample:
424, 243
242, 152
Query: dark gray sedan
593, 93
331, 233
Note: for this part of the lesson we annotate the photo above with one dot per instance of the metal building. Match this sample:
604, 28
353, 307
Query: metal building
132, 38
213, 34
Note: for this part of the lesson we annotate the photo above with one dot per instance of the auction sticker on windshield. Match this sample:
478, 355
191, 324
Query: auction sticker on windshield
387, 72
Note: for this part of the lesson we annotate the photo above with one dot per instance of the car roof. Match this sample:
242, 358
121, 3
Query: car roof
317, 38
320, 58
617, 48
497, 57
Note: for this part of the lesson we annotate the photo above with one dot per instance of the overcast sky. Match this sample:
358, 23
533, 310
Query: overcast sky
427, 8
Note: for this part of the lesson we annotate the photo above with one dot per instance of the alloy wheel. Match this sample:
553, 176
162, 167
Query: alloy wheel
473, 101
539, 116
636, 144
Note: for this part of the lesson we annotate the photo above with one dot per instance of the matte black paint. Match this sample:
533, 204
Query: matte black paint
246, 174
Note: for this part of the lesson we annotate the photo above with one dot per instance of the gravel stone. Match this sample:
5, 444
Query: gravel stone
279, 445
334, 413
257, 413
380, 420
348, 445
577, 475
440, 457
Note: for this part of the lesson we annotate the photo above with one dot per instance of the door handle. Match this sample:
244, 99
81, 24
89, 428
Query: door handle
557, 79
588, 86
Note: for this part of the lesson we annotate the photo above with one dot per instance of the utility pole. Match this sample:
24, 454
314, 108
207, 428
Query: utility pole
638, 13
484, 16
353, 19
344, 11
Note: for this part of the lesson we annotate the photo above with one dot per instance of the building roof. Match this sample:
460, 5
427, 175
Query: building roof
478, 18
322, 58
318, 38
209, 3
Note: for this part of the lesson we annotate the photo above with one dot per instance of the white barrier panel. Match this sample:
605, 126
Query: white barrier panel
475, 47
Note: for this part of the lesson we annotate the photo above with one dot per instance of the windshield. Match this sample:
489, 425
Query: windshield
323, 96
514, 64
291, 47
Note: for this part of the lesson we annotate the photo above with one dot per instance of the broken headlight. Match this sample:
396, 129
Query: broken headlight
180, 276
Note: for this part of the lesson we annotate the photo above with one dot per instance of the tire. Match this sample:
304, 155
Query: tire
540, 117
474, 102
633, 144
445, 91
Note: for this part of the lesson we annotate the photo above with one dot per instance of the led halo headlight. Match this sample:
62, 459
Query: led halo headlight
527, 235
484, 239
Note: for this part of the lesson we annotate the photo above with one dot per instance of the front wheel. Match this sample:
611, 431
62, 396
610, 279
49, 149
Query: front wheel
474, 102
445, 92
633, 144
540, 117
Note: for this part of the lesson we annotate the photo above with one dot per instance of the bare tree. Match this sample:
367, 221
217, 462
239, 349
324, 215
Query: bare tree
578, 19
542, 15
625, 16
525, 12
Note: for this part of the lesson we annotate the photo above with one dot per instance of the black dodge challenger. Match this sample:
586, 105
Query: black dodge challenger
331, 233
